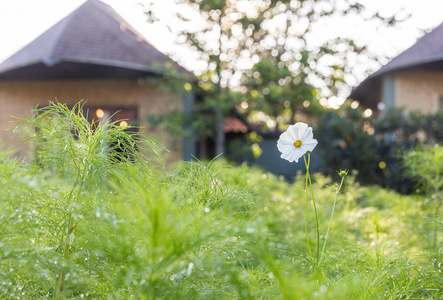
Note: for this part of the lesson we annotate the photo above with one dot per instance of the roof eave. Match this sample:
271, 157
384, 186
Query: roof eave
373, 83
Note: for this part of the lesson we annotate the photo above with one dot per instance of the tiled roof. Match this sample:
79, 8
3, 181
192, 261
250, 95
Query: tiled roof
233, 124
427, 49
92, 34
425, 54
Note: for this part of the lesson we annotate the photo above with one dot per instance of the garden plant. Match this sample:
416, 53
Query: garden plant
93, 215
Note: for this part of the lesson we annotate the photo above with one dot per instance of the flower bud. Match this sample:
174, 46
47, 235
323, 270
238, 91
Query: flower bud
343, 173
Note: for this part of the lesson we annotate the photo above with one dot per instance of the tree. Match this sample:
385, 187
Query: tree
265, 50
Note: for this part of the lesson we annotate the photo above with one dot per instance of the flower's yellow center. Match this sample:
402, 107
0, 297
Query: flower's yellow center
297, 143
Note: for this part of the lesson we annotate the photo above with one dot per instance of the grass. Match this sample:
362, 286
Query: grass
79, 222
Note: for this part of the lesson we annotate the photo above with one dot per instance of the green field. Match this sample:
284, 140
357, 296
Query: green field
79, 223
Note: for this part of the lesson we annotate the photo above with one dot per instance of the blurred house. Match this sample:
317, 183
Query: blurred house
412, 80
95, 55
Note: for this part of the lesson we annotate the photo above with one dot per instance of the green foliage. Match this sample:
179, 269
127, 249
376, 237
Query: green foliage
274, 90
426, 166
68, 144
257, 58
345, 144
374, 146
202, 231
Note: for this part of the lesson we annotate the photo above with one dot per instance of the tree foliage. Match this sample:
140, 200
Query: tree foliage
264, 58
375, 147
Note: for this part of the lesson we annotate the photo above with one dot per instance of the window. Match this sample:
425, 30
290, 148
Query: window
124, 115
440, 103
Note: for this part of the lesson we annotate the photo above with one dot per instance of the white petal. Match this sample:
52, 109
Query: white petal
301, 128
300, 152
286, 137
310, 145
283, 147
293, 155
288, 155
308, 135
298, 131
292, 132
311, 141
284, 144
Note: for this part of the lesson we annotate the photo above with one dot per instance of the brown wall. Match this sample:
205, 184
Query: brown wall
19, 97
419, 91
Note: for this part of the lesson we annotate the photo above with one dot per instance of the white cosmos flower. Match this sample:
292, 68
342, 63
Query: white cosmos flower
296, 141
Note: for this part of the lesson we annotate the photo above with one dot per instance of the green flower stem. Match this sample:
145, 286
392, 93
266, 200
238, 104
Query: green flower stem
308, 179
315, 210
306, 213
330, 220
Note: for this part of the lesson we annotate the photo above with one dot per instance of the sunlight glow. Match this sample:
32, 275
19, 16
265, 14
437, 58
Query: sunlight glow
99, 113
355, 104
188, 86
335, 102
271, 123
367, 113
324, 101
